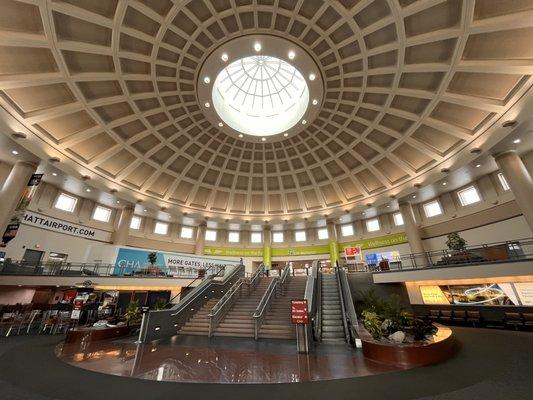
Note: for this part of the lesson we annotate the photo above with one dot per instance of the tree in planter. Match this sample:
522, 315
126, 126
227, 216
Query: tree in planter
455, 242
133, 312
160, 304
152, 258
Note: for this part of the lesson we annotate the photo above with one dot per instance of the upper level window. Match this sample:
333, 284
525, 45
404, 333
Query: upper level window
101, 214
65, 202
372, 225
161, 228
468, 196
186, 232
347, 230
322, 233
233, 237
432, 209
398, 219
277, 237
256, 237
210, 235
300, 236
135, 222
503, 182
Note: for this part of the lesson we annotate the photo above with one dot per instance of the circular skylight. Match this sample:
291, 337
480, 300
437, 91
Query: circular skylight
260, 95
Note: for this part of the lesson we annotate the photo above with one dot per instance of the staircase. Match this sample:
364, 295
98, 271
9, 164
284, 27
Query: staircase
238, 322
332, 325
199, 324
277, 323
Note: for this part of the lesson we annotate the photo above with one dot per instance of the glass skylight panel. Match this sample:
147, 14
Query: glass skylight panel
135, 223
300, 236
398, 219
101, 214
65, 202
260, 95
277, 237
256, 237
503, 182
468, 196
347, 230
186, 232
432, 209
233, 237
372, 225
161, 228
323, 233
210, 235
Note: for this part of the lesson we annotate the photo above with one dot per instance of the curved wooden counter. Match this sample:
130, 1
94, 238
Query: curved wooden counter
84, 334
410, 355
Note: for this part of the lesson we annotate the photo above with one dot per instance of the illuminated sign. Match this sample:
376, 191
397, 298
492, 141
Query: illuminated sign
433, 295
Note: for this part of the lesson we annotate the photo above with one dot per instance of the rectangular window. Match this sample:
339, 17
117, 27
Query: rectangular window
468, 196
300, 236
101, 214
210, 235
233, 237
277, 237
347, 230
135, 223
503, 182
65, 202
186, 232
161, 228
323, 233
432, 209
398, 219
372, 225
256, 237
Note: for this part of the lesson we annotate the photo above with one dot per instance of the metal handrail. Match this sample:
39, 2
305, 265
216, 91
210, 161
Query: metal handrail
343, 306
255, 278
350, 315
284, 274
318, 318
224, 304
310, 296
264, 304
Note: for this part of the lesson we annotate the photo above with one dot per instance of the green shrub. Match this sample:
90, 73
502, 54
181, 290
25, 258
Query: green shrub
372, 323
455, 242
133, 312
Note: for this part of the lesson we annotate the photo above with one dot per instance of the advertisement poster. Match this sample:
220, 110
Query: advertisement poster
525, 292
20, 209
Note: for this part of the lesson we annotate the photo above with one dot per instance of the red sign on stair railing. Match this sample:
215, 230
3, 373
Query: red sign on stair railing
299, 312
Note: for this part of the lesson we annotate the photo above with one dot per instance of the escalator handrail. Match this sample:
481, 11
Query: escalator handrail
343, 306
352, 322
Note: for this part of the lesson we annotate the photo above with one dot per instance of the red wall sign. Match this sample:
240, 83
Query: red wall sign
299, 312
352, 251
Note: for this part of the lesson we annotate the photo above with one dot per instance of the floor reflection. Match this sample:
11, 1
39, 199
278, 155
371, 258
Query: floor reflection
228, 360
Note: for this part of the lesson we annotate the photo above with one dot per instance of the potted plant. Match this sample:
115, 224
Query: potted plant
133, 313
455, 242
160, 304
152, 259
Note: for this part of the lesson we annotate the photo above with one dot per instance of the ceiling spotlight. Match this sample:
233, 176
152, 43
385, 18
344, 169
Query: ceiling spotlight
312, 77
88, 190
257, 46
315, 102
14, 152
516, 141
207, 79
240, 135
478, 165
145, 210
444, 183
54, 173
388, 206
224, 57
118, 201
207, 105
304, 121
414, 196
292, 54
263, 139
220, 124
285, 134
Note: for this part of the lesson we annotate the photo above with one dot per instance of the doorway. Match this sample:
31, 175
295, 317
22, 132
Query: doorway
32, 257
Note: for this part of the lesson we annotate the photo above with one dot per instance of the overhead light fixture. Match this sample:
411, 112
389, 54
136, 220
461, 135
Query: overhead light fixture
118, 201
315, 102
478, 165
224, 57
304, 121
54, 173
444, 183
312, 77
145, 210
207, 79
207, 105
88, 190
263, 139
15, 152
285, 134
292, 54
220, 124
414, 196
240, 135
516, 141
257, 46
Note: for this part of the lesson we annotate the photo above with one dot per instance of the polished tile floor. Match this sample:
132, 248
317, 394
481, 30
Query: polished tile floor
219, 360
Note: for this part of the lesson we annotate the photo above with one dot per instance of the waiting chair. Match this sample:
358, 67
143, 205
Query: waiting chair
446, 315
434, 315
512, 319
528, 319
473, 317
459, 316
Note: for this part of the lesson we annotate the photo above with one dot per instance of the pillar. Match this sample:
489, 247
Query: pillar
200, 239
519, 180
14, 185
333, 244
267, 249
413, 234
120, 236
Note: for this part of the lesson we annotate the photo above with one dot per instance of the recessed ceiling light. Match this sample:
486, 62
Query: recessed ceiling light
118, 201
388, 206
312, 77
240, 135
224, 57
285, 134
414, 196
257, 46
207, 105
220, 124
88, 190
15, 152
478, 165
516, 141
292, 54
145, 210
207, 79
54, 173
444, 183
315, 102
304, 121
263, 139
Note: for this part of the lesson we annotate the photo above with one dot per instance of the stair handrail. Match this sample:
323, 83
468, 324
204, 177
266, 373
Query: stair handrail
220, 309
284, 275
254, 279
351, 315
343, 306
264, 305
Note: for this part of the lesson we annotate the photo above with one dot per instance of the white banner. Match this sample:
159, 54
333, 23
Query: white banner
525, 292
57, 225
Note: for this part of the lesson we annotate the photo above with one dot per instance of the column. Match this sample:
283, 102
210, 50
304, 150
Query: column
267, 249
413, 234
520, 182
14, 185
333, 244
200, 239
122, 230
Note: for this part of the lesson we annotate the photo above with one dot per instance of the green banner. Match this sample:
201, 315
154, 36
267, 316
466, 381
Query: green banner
374, 243
233, 252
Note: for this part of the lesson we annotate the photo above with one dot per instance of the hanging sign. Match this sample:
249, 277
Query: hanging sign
20, 209
299, 312
352, 251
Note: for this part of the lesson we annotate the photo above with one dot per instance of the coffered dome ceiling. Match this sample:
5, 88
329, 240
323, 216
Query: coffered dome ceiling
112, 86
